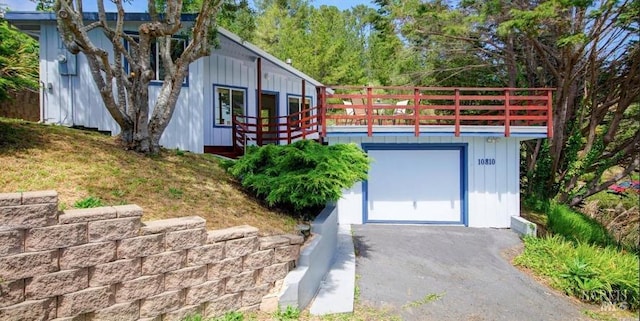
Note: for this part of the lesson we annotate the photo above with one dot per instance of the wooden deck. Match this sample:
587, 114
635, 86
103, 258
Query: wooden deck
402, 111
435, 110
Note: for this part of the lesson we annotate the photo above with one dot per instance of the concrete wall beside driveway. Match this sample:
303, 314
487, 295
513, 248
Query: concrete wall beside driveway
302, 284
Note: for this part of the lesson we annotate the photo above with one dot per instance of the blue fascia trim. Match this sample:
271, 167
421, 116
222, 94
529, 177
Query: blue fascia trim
417, 222
464, 182
413, 146
88, 16
365, 200
246, 102
464, 189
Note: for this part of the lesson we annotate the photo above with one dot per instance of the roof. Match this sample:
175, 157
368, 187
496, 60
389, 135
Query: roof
27, 20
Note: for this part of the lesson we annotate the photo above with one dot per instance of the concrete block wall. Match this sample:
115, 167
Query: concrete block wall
105, 264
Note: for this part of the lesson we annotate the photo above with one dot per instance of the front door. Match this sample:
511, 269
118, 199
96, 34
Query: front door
268, 112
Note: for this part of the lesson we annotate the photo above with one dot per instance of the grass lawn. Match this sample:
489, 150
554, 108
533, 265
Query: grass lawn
80, 164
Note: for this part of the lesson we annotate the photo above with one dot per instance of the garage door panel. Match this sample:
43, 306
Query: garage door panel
414, 186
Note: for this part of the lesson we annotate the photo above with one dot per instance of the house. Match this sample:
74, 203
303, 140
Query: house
440, 155
229, 82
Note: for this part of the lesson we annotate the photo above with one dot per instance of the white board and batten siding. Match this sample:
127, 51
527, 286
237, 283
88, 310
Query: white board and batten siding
488, 181
75, 100
229, 72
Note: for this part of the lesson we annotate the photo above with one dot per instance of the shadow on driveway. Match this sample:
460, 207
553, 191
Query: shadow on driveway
451, 273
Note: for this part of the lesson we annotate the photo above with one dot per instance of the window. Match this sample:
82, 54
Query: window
177, 48
178, 45
228, 102
295, 107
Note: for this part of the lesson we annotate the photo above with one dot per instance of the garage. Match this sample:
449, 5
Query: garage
416, 184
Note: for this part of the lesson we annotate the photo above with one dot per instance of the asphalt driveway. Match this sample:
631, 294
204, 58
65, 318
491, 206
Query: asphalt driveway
450, 273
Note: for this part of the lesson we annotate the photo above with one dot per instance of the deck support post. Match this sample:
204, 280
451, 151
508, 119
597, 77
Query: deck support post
303, 112
322, 94
234, 132
416, 111
259, 102
549, 113
369, 112
507, 112
457, 112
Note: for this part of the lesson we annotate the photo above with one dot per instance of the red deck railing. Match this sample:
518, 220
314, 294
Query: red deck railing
407, 108
435, 106
274, 130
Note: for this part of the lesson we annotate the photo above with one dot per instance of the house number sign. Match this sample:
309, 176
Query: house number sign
486, 161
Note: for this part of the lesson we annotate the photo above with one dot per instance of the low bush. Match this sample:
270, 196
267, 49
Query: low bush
88, 202
588, 272
577, 227
288, 314
607, 199
302, 175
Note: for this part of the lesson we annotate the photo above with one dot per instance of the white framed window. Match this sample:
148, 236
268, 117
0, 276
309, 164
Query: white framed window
178, 45
228, 102
296, 106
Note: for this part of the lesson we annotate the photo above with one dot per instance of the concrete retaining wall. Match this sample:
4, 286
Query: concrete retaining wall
523, 227
105, 264
302, 284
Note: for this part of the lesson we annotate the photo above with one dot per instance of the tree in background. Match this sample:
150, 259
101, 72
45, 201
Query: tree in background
18, 61
588, 50
236, 16
325, 43
444, 46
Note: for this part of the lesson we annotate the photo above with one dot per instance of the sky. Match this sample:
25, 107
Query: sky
140, 5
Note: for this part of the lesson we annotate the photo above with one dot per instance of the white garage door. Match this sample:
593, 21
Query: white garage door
415, 186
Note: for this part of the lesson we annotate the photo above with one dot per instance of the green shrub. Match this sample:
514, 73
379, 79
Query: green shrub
588, 272
577, 227
302, 175
231, 316
88, 202
288, 314
536, 204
